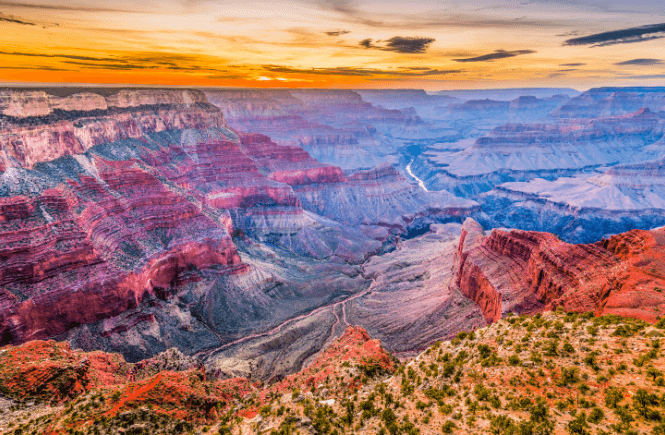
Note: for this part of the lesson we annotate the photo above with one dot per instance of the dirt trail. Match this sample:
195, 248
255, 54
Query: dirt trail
279, 327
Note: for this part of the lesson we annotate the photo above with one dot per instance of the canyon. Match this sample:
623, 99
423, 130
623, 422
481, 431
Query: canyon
248, 229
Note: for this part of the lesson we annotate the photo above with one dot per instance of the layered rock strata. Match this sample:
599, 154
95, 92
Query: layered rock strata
525, 272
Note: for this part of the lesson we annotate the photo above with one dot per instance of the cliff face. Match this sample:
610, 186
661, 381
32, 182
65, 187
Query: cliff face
335, 127
98, 246
37, 127
524, 272
612, 101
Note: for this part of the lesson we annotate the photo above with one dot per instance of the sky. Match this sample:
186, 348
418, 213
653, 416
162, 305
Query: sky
432, 45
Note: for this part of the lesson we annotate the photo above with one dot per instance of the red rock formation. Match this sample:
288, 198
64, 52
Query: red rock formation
353, 346
98, 247
50, 371
288, 164
170, 384
41, 127
525, 271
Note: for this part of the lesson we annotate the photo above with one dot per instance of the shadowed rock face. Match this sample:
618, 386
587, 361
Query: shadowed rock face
526, 272
335, 127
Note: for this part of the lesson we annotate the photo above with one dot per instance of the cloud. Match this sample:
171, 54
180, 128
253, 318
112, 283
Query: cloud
498, 54
349, 10
337, 32
60, 7
61, 56
367, 43
362, 72
10, 19
409, 44
623, 36
40, 68
227, 77
400, 44
641, 62
572, 64
132, 61
646, 77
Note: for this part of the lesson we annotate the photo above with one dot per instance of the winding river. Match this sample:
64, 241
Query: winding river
420, 182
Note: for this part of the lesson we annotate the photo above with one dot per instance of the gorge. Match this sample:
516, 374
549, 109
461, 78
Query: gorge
249, 228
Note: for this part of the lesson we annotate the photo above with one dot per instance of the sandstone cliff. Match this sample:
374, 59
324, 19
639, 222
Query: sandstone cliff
38, 127
525, 272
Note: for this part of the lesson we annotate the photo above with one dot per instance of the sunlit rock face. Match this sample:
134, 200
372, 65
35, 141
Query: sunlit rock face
525, 272
38, 127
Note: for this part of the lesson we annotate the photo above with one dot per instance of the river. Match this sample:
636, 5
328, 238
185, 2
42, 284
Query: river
420, 182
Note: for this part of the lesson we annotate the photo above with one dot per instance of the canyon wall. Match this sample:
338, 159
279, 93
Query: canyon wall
38, 127
526, 272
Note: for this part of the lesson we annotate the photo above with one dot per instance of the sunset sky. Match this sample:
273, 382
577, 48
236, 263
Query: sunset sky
343, 44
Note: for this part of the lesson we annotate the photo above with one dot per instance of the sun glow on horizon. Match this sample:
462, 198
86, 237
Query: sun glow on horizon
341, 44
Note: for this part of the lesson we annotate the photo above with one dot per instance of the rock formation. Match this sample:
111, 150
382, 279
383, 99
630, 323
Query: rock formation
136, 221
526, 272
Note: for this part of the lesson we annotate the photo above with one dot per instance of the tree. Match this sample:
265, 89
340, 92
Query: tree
502, 425
578, 425
612, 397
484, 350
596, 415
653, 372
448, 427
539, 411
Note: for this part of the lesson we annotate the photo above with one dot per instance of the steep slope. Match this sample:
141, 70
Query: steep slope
167, 394
551, 373
599, 102
37, 127
525, 272
411, 304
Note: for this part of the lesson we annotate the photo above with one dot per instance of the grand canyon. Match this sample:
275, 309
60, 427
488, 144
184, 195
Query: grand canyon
233, 260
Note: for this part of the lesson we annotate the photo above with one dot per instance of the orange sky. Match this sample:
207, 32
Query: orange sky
342, 43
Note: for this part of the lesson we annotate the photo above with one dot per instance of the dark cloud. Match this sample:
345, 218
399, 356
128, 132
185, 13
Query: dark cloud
227, 77
400, 44
350, 71
367, 43
640, 62
61, 56
499, 54
40, 68
623, 36
572, 64
60, 7
10, 19
133, 61
409, 44
337, 32
646, 77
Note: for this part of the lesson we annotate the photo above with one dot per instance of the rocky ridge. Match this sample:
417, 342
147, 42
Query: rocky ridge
525, 272
555, 372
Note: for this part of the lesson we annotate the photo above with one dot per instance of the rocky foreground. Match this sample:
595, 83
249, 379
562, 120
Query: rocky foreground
554, 372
